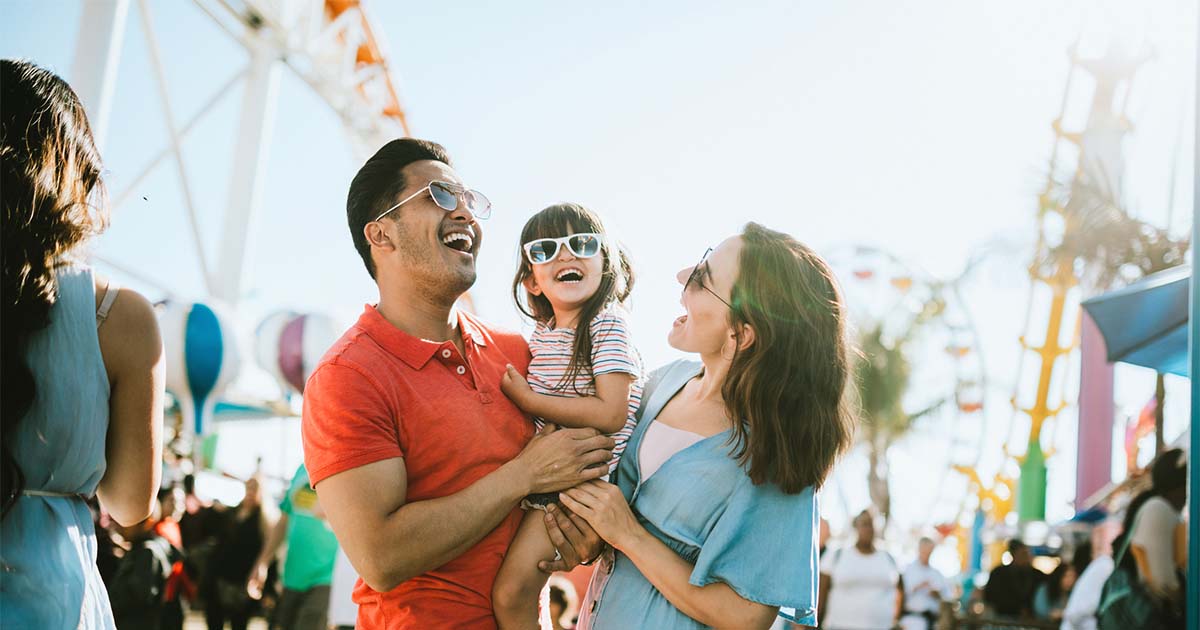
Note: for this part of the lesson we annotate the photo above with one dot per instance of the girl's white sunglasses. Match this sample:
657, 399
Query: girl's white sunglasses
543, 250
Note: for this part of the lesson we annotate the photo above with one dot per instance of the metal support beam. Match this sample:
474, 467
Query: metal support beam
160, 76
97, 58
250, 154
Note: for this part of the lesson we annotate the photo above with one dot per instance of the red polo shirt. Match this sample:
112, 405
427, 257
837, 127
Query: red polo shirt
380, 393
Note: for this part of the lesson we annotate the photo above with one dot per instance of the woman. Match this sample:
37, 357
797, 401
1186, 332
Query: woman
82, 365
713, 518
860, 585
1155, 535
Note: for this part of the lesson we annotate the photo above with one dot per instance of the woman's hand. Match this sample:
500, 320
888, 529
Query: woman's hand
515, 386
603, 506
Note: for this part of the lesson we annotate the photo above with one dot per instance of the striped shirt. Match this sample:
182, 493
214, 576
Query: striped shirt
612, 352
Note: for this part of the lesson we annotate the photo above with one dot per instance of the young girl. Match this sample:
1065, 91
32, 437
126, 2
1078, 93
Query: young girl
573, 281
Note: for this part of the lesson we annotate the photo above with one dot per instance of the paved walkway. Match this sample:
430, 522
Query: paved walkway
195, 621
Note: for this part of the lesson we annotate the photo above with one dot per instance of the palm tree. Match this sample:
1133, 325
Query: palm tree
882, 374
1114, 248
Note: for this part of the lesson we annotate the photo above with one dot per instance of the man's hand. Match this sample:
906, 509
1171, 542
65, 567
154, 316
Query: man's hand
556, 459
574, 539
515, 386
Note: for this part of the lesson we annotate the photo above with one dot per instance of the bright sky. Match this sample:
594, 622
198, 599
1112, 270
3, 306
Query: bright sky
922, 128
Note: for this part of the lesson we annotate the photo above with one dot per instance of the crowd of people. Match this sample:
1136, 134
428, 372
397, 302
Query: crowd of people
458, 464
222, 561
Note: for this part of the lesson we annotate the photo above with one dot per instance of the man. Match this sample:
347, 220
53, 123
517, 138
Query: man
1010, 587
924, 589
860, 585
419, 459
308, 565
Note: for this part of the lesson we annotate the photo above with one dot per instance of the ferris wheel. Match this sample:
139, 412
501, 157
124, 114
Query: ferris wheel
899, 310
333, 47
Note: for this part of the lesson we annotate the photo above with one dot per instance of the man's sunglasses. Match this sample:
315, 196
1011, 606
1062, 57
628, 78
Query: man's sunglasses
543, 250
697, 277
446, 196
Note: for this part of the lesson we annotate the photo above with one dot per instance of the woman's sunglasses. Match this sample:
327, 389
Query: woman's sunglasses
543, 250
446, 196
697, 277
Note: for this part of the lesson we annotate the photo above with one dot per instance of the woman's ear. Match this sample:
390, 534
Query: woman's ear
531, 285
745, 337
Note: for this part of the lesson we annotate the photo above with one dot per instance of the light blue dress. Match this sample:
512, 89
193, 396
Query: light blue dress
702, 504
47, 543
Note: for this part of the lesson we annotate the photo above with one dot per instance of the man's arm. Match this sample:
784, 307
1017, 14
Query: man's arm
389, 541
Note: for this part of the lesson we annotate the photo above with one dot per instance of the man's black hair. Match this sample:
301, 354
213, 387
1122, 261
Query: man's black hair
379, 182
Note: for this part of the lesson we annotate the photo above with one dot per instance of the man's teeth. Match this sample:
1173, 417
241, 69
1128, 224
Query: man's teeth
449, 239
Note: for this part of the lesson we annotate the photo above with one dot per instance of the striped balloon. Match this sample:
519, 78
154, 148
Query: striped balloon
288, 346
202, 358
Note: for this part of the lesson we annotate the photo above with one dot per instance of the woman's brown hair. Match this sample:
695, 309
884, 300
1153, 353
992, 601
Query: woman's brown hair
53, 201
616, 281
788, 389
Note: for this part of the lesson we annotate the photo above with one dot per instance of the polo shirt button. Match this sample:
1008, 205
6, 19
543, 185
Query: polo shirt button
446, 354
460, 369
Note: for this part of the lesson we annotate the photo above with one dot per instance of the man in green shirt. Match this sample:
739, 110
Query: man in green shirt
308, 565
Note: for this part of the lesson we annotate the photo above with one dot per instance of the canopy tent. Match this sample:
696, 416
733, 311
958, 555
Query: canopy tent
1146, 323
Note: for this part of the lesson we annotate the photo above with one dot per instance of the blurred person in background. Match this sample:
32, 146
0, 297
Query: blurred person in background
1050, 598
82, 362
138, 589
1010, 587
239, 542
1080, 613
1156, 537
308, 565
924, 589
860, 585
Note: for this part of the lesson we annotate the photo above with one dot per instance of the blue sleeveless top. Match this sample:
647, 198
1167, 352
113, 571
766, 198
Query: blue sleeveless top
48, 543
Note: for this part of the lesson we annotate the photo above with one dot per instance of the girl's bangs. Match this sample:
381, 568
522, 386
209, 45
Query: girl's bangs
560, 220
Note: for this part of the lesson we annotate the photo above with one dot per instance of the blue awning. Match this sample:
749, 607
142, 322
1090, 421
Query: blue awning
1145, 323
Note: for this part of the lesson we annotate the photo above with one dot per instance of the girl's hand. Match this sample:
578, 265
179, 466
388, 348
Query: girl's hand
514, 385
603, 506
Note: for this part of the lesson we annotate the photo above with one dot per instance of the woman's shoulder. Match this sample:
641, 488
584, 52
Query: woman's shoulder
1156, 510
129, 335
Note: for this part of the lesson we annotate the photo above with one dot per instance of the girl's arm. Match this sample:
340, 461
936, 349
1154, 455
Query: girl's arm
716, 605
606, 411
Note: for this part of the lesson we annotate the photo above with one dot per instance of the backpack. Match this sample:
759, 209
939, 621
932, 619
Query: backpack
139, 584
1125, 603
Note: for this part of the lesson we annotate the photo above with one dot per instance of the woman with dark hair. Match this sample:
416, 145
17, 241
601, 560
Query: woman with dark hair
713, 519
82, 365
1153, 542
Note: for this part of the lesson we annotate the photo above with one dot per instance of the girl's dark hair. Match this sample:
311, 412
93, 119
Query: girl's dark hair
616, 281
53, 201
788, 389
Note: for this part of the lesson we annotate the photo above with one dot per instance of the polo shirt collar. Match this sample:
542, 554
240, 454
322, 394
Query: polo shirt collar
413, 351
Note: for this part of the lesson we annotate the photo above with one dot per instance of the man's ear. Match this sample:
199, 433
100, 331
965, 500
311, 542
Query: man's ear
377, 236
531, 285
